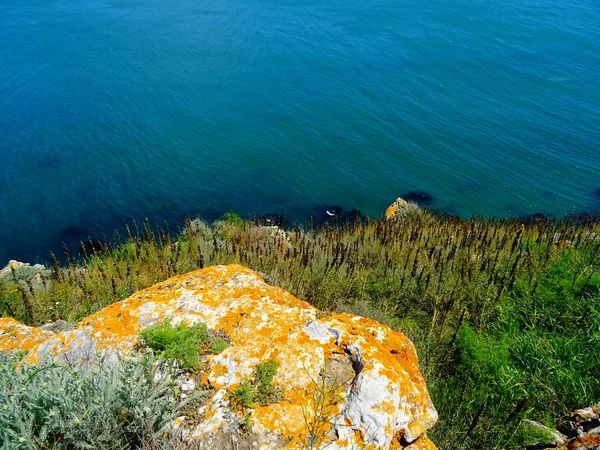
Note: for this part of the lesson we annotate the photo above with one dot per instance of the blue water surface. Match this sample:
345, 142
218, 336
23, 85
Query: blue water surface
118, 109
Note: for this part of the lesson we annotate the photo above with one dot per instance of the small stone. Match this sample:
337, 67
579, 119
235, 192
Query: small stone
178, 422
187, 385
580, 430
58, 326
557, 437
400, 209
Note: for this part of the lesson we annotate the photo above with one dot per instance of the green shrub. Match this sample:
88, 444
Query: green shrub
259, 390
486, 361
182, 343
536, 358
265, 393
233, 218
110, 407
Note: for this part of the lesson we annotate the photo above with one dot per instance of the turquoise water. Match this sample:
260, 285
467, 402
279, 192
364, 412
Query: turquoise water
119, 109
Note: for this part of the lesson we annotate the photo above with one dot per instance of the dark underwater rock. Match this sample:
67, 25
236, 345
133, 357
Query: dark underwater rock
271, 220
534, 218
334, 214
581, 218
420, 197
72, 232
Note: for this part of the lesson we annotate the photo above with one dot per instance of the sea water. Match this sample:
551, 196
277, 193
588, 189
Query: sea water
113, 110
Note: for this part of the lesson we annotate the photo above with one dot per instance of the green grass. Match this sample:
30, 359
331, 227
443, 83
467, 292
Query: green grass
182, 343
536, 358
505, 316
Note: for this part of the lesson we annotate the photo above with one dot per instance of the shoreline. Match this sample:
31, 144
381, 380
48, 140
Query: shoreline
321, 215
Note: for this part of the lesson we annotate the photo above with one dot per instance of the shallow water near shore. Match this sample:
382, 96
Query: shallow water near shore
112, 110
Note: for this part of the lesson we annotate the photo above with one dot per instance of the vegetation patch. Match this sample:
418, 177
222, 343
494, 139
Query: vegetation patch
505, 314
191, 406
232, 218
183, 343
529, 435
114, 406
258, 390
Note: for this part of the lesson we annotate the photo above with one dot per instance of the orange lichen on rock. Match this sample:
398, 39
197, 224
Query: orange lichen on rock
14, 336
583, 426
369, 372
422, 443
400, 209
589, 441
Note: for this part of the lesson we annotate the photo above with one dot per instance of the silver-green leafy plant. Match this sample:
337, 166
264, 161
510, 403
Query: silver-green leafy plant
111, 406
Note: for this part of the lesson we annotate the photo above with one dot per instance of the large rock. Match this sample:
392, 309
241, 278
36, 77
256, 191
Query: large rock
376, 396
31, 278
21, 267
14, 336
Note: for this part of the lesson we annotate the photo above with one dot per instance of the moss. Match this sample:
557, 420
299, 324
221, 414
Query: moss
323, 314
528, 435
191, 406
265, 393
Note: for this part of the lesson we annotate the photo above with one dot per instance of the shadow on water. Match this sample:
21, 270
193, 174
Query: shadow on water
78, 239
420, 197
450, 209
73, 233
49, 163
535, 218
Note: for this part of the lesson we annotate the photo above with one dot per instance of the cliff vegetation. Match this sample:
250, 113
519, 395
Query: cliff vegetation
505, 314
